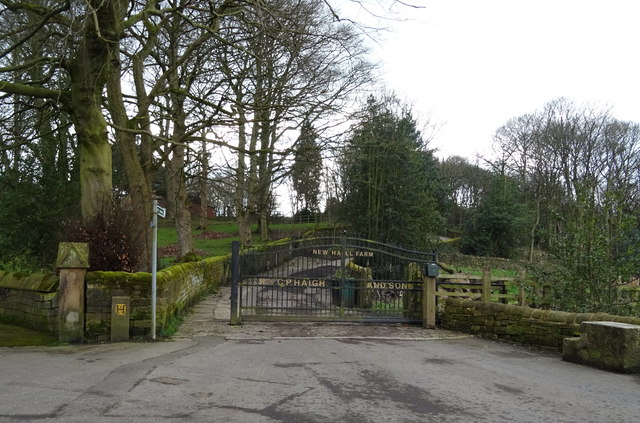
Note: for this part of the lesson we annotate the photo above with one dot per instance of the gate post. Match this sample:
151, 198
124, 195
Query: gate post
343, 271
486, 285
429, 302
522, 293
73, 262
235, 280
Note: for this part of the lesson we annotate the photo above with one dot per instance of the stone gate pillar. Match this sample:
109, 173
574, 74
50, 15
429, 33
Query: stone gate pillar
73, 262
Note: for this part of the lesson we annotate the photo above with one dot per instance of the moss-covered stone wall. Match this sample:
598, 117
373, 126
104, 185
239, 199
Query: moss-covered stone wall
523, 325
178, 286
30, 300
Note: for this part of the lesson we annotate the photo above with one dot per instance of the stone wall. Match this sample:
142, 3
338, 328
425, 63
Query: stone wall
29, 300
178, 287
523, 325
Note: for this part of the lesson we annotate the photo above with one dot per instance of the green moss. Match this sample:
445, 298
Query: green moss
191, 256
171, 305
97, 327
40, 282
118, 279
593, 353
140, 313
171, 327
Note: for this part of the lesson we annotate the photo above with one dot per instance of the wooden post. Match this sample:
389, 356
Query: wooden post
429, 302
486, 284
522, 293
546, 295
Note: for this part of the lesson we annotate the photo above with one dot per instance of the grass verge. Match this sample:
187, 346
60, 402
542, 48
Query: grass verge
18, 336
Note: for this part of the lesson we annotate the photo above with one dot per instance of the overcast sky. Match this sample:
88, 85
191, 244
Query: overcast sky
471, 65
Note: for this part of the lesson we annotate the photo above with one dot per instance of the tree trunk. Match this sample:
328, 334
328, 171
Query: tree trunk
138, 177
176, 183
243, 183
244, 229
204, 200
264, 226
177, 193
90, 69
95, 165
141, 202
532, 233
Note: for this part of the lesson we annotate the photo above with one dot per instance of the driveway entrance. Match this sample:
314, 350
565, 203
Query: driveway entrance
328, 279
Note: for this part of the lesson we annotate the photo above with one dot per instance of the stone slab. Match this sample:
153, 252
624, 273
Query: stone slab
120, 318
607, 345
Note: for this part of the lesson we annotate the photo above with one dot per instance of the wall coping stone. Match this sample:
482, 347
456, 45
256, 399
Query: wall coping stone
606, 345
40, 282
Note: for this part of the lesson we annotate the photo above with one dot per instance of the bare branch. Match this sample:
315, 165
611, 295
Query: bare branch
66, 6
28, 90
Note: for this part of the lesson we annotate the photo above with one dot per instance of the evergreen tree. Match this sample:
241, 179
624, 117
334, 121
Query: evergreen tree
36, 196
497, 226
307, 170
389, 176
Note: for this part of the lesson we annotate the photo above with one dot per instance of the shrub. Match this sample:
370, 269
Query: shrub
116, 242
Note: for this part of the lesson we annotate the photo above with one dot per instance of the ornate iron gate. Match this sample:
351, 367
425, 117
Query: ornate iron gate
328, 279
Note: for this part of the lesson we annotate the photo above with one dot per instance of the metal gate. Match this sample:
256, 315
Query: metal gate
328, 279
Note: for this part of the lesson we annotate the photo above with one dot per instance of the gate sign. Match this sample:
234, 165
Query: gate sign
162, 212
329, 279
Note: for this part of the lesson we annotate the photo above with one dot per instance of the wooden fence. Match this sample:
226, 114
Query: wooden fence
505, 289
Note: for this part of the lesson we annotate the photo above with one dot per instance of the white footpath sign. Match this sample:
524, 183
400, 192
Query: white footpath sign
162, 212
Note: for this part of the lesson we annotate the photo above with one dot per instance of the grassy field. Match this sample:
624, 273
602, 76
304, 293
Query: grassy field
222, 233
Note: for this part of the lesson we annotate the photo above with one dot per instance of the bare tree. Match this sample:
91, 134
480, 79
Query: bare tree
74, 75
165, 58
295, 64
579, 166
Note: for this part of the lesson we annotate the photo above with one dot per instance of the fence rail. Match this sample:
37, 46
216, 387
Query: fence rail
505, 289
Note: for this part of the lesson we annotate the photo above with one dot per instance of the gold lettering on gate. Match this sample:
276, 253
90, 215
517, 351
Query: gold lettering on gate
294, 282
389, 285
338, 253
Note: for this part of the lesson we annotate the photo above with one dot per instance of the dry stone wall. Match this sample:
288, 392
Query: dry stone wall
29, 300
32, 300
517, 324
177, 287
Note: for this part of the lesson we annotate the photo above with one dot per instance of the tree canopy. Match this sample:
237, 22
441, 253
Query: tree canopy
579, 168
151, 78
389, 176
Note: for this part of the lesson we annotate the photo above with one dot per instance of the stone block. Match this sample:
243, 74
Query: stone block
71, 305
606, 345
120, 315
73, 255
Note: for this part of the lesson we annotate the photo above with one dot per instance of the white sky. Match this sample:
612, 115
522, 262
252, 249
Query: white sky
471, 65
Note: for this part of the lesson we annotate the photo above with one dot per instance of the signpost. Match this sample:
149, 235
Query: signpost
162, 212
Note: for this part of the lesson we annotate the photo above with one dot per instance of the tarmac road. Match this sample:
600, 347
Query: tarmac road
307, 373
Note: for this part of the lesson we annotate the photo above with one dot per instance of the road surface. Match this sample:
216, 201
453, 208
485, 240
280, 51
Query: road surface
212, 372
